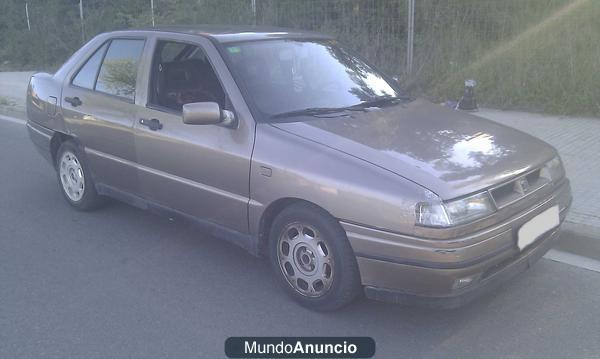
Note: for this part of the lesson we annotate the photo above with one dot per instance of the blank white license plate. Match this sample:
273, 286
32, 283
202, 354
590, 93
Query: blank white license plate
537, 226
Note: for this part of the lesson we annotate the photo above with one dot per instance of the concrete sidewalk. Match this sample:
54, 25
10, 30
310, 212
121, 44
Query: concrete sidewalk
13, 89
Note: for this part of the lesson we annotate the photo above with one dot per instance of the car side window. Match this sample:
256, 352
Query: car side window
118, 72
171, 50
183, 77
86, 76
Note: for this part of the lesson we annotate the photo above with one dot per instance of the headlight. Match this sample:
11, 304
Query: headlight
553, 170
445, 214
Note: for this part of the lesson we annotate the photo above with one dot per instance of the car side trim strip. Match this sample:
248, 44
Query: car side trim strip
172, 177
35, 127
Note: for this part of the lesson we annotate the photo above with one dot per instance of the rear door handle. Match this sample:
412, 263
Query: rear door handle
152, 124
74, 101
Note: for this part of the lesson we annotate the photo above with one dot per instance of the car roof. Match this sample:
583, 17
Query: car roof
235, 33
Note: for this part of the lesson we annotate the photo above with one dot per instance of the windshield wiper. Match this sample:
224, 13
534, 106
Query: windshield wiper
316, 111
380, 101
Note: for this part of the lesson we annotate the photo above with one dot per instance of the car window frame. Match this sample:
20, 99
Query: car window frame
152, 106
87, 60
92, 53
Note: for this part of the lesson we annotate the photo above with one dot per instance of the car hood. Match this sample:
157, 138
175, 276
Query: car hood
449, 152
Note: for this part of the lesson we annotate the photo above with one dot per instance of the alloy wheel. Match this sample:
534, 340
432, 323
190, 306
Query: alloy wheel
305, 260
71, 176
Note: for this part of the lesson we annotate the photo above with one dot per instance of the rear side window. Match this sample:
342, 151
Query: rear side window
118, 72
86, 77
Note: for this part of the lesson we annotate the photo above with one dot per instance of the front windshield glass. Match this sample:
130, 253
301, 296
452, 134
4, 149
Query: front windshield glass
283, 76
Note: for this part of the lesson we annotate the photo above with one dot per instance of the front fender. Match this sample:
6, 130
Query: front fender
353, 190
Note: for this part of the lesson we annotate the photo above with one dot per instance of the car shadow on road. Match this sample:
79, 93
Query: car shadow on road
254, 281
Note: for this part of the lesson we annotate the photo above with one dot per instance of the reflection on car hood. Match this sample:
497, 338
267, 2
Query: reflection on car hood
452, 153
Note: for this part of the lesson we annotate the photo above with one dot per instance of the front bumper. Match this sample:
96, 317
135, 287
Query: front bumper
448, 273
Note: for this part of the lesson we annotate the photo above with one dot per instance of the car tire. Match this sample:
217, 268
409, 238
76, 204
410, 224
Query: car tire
312, 258
74, 178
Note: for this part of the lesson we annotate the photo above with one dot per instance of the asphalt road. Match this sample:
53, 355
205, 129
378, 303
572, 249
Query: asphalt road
123, 283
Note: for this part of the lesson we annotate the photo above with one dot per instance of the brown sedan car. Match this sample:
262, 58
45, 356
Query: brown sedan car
296, 149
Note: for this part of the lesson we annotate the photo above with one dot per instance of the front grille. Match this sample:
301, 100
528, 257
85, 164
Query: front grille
518, 188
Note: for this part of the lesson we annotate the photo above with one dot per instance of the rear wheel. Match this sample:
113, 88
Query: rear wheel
74, 178
312, 258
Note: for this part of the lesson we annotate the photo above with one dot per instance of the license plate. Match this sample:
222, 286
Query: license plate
537, 226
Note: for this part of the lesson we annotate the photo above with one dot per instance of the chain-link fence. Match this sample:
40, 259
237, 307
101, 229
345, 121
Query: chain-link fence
453, 39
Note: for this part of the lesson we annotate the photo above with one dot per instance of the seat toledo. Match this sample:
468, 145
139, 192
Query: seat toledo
298, 150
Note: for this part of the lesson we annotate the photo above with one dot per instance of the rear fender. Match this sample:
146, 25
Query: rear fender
43, 102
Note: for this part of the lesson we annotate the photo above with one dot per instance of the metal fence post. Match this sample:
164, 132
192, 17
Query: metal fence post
27, 14
152, 11
410, 36
81, 17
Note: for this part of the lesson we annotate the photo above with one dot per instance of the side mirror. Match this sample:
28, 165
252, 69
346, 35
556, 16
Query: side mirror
206, 113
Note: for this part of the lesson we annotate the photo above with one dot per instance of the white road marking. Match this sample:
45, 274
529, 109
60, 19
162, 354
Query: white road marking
573, 259
12, 119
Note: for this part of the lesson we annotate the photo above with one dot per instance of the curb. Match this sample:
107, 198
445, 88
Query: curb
580, 239
13, 116
13, 119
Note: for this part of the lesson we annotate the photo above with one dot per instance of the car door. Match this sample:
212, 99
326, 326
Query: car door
199, 170
98, 108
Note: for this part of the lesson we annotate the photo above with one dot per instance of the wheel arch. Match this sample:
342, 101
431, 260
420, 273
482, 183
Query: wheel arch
58, 139
269, 214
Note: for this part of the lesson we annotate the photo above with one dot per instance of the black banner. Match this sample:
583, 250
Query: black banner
300, 347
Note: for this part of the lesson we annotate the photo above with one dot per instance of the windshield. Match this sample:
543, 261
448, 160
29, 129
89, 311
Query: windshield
285, 76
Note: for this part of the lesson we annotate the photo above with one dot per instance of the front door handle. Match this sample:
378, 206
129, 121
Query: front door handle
152, 124
74, 101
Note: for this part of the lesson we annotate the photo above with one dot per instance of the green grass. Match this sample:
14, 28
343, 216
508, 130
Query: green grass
551, 67
536, 55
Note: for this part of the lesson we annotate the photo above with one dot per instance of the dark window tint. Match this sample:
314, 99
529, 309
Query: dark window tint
119, 69
183, 78
171, 50
87, 74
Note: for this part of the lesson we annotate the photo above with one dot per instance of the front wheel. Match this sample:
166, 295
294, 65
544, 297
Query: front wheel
76, 183
312, 258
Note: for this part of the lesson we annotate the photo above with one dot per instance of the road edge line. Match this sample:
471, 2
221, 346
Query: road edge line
12, 119
573, 260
